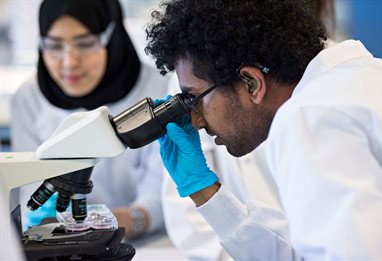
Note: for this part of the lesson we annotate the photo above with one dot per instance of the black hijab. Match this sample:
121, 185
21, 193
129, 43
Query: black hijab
123, 65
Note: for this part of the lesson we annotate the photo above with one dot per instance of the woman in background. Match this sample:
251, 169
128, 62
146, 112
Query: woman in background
86, 59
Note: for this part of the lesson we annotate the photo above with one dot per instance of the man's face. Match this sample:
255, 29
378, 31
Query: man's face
231, 116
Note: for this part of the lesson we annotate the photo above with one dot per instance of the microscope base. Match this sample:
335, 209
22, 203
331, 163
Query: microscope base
92, 245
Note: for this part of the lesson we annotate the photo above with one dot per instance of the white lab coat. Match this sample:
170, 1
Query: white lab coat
187, 229
325, 152
134, 177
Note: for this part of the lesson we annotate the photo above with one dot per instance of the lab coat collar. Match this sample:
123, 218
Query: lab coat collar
331, 57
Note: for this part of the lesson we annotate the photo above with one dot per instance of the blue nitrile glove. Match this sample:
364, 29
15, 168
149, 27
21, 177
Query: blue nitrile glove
160, 101
183, 158
48, 210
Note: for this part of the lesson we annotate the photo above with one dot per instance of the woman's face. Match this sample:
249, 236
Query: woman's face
71, 57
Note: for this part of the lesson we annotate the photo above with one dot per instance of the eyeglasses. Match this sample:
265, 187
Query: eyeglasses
193, 101
82, 46
261, 67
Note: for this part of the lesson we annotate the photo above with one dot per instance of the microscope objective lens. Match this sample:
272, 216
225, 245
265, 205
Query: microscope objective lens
79, 209
41, 195
62, 202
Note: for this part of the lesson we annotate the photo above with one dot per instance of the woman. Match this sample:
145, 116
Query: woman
86, 60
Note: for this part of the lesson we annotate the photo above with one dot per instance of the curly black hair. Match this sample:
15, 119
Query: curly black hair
218, 36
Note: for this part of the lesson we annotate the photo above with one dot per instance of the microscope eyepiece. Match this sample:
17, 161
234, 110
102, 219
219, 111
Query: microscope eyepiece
143, 123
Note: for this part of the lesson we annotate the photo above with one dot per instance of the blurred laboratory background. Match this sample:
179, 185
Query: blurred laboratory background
357, 19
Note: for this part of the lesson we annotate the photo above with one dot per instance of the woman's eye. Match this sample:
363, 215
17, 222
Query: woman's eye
86, 44
53, 46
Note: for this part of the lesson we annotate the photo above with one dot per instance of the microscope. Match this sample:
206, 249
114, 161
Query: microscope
65, 162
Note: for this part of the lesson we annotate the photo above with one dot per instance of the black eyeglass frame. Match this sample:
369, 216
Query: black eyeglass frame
193, 102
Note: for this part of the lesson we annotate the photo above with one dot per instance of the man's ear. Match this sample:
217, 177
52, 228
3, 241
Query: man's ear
255, 81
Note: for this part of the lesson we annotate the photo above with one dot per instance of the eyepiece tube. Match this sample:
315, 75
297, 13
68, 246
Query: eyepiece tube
171, 110
142, 123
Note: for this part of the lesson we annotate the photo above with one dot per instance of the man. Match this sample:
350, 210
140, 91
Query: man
258, 70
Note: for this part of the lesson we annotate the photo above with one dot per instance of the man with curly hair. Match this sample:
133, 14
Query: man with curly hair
258, 70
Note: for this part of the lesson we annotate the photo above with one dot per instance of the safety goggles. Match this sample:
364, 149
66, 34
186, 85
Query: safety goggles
82, 46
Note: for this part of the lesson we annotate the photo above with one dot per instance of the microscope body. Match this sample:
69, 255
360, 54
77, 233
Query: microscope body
65, 162
81, 135
66, 159
98, 134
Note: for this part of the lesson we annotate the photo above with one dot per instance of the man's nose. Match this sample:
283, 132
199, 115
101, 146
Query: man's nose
197, 120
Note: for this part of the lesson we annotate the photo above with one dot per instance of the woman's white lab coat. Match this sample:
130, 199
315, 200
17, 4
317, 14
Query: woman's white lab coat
134, 177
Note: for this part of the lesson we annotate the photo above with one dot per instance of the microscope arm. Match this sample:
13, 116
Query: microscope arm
21, 168
75, 146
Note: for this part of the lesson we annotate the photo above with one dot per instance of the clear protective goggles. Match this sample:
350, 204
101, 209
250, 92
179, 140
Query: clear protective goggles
82, 45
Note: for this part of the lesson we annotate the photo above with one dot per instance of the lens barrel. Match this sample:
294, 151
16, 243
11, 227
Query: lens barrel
79, 207
41, 195
62, 202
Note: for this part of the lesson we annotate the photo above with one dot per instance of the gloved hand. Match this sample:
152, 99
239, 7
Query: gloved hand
160, 101
48, 210
183, 158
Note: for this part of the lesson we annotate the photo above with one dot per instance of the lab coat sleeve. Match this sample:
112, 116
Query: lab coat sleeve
327, 163
186, 228
23, 117
149, 187
248, 232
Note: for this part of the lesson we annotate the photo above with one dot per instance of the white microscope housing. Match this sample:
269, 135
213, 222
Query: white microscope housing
76, 144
